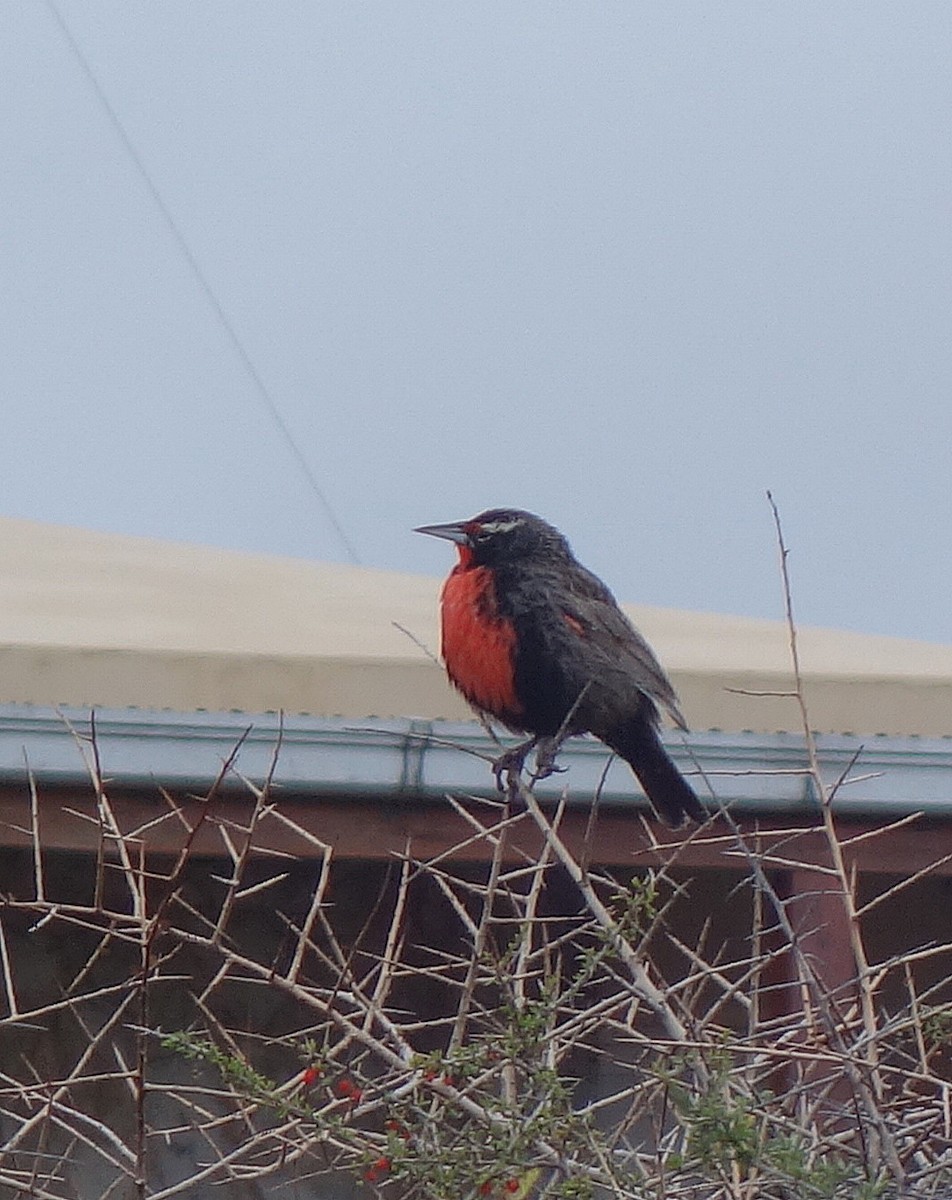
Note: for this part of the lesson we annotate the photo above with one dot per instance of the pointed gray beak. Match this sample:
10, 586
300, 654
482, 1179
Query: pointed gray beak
453, 531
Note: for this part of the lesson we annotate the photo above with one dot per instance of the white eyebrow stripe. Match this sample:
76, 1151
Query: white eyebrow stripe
499, 526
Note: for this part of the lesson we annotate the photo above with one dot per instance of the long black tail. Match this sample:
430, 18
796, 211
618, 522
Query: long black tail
671, 796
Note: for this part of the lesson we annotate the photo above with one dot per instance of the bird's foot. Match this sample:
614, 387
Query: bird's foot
510, 764
546, 751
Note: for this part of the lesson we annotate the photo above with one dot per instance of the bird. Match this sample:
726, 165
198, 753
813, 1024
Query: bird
534, 640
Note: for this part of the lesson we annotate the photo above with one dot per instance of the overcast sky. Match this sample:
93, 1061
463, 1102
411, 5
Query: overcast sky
628, 265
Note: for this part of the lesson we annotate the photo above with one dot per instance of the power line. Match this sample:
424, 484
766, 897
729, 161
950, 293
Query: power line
260, 386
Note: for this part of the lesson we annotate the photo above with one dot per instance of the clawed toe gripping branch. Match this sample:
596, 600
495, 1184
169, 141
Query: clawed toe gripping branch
512, 761
508, 767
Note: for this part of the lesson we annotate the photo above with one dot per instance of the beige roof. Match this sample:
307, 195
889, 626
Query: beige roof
112, 621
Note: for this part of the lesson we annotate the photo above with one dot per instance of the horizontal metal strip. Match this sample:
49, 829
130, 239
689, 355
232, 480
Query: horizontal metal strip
427, 759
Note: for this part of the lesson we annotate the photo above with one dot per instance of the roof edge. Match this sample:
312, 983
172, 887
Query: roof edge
410, 759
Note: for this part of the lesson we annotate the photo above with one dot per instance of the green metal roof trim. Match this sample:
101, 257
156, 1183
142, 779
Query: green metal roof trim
426, 759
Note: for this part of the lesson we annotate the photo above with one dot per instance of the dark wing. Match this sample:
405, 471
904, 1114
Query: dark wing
591, 612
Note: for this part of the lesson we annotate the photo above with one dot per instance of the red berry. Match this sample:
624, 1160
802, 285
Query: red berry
375, 1170
512, 1185
486, 1187
347, 1089
310, 1076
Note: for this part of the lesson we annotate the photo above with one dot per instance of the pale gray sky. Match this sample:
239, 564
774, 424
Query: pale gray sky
625, 264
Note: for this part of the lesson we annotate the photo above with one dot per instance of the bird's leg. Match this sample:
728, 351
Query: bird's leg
511, 761
546, 750
550, 746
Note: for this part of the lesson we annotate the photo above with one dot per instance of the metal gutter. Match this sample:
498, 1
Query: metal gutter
423, 760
